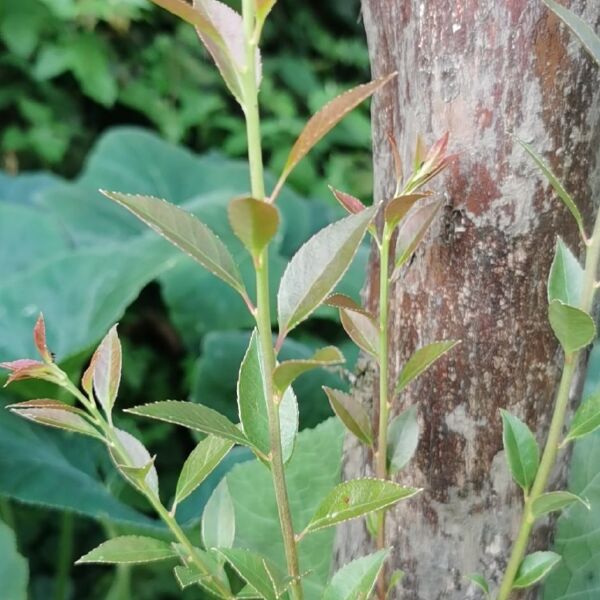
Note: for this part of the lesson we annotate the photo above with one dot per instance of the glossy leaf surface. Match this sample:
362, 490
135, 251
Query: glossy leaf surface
574, 328
535, 567
565, 282
522, 452
586, 418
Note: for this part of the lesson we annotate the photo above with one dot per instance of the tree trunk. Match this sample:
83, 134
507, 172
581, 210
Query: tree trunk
483, 70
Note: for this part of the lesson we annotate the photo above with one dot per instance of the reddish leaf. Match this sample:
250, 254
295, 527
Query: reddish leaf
397, 209
324, 120
39, 338
26, 368
87, 379
398, 170
350, 203
255, 222
107, 370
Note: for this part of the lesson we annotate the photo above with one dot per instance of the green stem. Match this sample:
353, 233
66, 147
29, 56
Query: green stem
65, 557
384, 404
556, 425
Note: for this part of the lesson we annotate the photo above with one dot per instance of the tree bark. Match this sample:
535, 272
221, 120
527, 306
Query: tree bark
484, 70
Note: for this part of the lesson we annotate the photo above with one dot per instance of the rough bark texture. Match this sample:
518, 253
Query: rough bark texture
482, 69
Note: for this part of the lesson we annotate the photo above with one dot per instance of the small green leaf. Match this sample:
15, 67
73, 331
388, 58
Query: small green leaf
481, 582
286, 372
55, 414
412, 231
553, 501
359, 324
555, 183
193, 416
356, 498
129, 549
191, 574
203, 459
397, 208
403, 439
534, 567
586, 418
565, 282
421, 360
351, 413
395, 578
356, 579
218, 519
573, 327
255, 223
522, 452
317, 267
257, 571
252, 404
184, 231
263, 8
106, 375
138, 465
325, 119
579, 27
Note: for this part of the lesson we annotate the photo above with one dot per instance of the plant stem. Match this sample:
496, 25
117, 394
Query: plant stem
384, 405
263, 312
556, 425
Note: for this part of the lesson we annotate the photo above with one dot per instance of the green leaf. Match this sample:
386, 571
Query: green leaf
325, 119
534, 567
286, 372
186, 232
403, 439
397, 208
203, 459
191, 574
14, 570
107, 370
252, 404
395, 578
481, 582
263, 8
565, 282
574, 328
139, 465
586, 418
357, 578
359, 324
555, 183
421, 360
218, 519
412, 231
257, 571
351, 413
317, 267
553, 501
55, 414
193, 416
356, 498
580, 28
129, 549
255, 223
522, 452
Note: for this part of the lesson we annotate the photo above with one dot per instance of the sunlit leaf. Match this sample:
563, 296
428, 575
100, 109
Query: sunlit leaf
203, 459
218, 519
351, 413
573, 327
421, 360
254, 222
107, 370
553, 501
129, 549
317, 267
565, 282
403, 439
522, 452
586, 418
357, 578
535, 567
184, 231
356, 498
286, 372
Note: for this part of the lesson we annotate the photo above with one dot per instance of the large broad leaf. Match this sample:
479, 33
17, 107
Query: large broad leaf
129, 549
573, 327
403, 439
534, 568
252, 403
579, 27
586, 419
522, 451
218, 519
257, 521
186, 232
317, 267
565, 282
14, 570
356, 579
356, 498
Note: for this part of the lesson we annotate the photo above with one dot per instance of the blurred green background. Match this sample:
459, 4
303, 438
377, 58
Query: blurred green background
118, 94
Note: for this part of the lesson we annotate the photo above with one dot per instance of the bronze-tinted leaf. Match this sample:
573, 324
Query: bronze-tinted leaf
39, 338
255, 222
397, 208
350, 203
351, 413
107, 370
